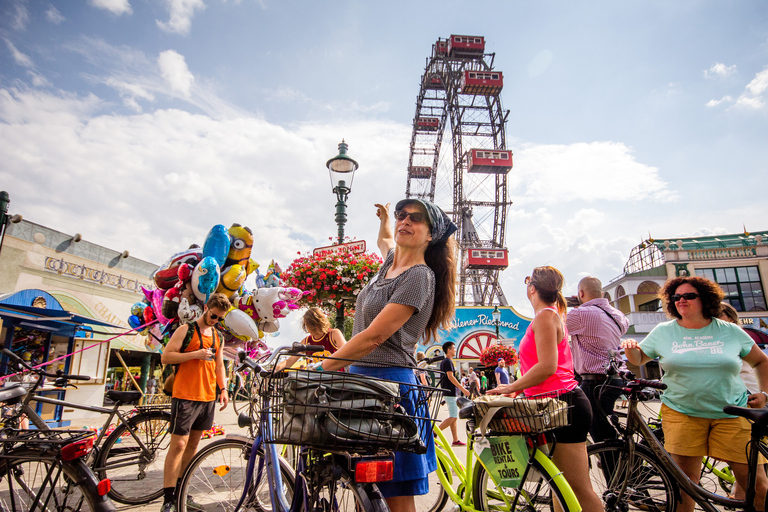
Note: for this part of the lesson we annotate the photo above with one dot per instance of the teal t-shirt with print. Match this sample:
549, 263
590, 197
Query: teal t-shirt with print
701, 366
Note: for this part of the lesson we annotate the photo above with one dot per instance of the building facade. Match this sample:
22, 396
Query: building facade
737, 262
49, 269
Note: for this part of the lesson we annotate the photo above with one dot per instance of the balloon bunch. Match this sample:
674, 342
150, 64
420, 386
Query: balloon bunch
186, 281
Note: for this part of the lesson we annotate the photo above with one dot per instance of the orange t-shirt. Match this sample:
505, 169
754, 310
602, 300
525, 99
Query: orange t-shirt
196, 379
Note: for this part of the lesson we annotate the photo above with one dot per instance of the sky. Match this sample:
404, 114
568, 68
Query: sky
142, 123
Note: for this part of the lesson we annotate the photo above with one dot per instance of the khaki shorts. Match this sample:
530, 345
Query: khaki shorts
723, 439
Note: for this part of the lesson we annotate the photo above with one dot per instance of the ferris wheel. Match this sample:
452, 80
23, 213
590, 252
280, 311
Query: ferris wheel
468, 179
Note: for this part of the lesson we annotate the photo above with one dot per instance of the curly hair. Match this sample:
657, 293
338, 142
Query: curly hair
709, 292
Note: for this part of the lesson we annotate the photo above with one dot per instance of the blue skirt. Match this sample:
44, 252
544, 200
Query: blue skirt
412, 470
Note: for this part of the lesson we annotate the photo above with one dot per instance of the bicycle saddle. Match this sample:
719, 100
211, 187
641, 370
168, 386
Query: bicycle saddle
467, 410
758, 416
123, 396
11, 394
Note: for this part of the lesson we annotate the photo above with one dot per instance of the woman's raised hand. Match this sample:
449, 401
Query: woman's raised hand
382, 211
629, 344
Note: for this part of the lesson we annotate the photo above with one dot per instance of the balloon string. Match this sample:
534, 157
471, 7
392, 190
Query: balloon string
138, 328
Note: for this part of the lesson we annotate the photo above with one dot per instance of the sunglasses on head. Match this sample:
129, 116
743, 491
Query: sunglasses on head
527, 280
416, 217
214, 316
687, 296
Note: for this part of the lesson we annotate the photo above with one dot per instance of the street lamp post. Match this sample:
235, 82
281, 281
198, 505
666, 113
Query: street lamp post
339, 168
496, 314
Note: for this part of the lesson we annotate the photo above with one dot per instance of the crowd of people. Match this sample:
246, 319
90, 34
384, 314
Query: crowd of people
563, 352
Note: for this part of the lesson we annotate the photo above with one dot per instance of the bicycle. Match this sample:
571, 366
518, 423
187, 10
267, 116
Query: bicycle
635, 476
45, 469
129, 456
489, 481
340, 459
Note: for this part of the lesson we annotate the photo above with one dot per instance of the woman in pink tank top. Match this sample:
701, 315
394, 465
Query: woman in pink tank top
547, 368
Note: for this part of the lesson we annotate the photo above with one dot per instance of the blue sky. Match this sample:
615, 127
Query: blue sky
141, 123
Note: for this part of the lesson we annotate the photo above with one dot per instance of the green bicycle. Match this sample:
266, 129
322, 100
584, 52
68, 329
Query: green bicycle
501, 472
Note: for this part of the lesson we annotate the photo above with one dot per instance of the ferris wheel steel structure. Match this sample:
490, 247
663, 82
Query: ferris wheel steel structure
460, 86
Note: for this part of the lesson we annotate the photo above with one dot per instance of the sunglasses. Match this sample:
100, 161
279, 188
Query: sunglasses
687, 296
416, 217
216, 317
527, 280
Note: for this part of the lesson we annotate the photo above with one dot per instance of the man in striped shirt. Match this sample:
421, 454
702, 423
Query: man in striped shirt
596, 328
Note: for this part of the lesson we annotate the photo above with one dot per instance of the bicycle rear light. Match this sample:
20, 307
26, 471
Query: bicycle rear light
104, 487
77, 449
371, 471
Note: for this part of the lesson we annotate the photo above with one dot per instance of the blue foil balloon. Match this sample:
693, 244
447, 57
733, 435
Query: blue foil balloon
205, 278
134, 321
217, 244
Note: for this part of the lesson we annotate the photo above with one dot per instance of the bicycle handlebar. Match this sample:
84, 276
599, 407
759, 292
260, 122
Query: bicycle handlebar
58, 375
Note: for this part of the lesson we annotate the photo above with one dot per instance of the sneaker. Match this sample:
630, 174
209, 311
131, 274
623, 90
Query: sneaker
168, 507
459, 443
193, 506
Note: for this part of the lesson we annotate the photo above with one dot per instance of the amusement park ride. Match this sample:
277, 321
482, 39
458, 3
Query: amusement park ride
460, 84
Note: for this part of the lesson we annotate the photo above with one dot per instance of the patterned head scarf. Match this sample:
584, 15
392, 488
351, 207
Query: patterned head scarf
441, 224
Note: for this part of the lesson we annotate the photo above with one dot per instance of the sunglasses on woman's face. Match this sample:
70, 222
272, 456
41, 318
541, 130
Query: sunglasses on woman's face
687, 296
416, 217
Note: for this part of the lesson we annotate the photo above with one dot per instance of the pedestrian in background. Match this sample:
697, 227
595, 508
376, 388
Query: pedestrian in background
474, 384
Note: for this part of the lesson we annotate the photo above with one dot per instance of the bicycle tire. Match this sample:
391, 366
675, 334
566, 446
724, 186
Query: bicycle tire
215, 479
536, 492
649, 485
28, 469
437, 497
136, 479
346, 495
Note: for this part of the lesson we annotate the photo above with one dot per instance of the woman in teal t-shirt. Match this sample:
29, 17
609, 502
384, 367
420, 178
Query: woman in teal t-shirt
701, 357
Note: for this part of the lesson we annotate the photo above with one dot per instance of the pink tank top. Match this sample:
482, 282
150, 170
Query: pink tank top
563, 378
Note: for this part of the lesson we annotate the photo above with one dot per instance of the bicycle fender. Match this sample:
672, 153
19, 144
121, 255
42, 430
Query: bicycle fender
557, 476
82, 476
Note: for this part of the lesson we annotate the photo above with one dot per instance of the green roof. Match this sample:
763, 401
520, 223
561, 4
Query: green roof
714, 242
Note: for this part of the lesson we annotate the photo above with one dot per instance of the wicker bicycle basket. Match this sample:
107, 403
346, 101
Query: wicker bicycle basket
523, 415
340, 410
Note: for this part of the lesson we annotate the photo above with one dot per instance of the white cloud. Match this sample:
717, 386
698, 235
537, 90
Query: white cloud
38, 80
53, 15
173, 68
754, 93
719, 69
724, 99
20, 15
597, 171
20, 58
181, 13
117, 7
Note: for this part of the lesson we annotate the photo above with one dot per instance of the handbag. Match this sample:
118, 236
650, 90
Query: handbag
341, 409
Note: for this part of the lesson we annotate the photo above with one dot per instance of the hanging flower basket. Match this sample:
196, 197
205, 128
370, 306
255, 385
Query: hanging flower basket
490, 355
331, 278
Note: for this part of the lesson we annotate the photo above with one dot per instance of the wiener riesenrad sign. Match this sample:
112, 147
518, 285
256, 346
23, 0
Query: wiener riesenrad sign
474, 329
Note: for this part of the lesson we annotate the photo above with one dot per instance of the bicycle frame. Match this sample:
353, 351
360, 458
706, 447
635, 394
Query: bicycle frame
704, 498
42, 425
450, 461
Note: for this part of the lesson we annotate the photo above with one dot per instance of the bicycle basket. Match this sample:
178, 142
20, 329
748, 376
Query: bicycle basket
524, 415
346, 411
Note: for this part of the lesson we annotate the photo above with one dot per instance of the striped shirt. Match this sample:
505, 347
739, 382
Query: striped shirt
595, 328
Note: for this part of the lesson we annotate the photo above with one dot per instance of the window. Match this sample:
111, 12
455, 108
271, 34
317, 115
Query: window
654, 305
742, 286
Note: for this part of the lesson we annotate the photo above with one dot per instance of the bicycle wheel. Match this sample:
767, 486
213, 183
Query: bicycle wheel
437, 498
346, 495
649, 486
137, 477
539, 491
215, 479
24, 478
